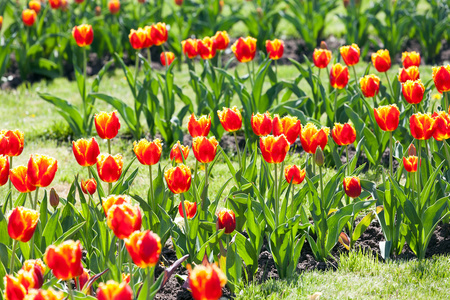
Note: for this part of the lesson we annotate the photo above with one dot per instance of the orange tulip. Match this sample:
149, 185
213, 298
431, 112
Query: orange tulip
230, 118
339, 76
139, 39
11, 142
176, 154
114, 291
274, 149
244, 49
148, 153
206, 48
41, 170
412, 73
22, 223
19, 178
124, 219
190, 48
35, 5
35, 270
89, 186
222, 40
115, 200
167, 58
343, 134
204, 149
65, 260
410, 59
114, 6
410, 163
262, 124
144, 248
14, 290
200, 126
49, 294
126, 277
55, 4
206, 282
352, 187
190, 207
350, 54
4, 169
226, 219
275, 49
381, 60
86, 151
109, 168
83, 35
178, 179
159, 34
107, 125
422, 126
28, 17
441, 78
413, 91
387, 117
294, 174
311, 138
370, 85
289, 126
321, 58
442, 131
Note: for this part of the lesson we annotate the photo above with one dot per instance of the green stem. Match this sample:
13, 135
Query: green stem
205, 187
149, 282
237, 149
136, 73
36, 195
30, 198
84, 89
321, 184
447, 154
119, 254
109, 188
446, 100
335, 104
390, 85
250, 74
130, 267
275, 198
348, 161
356, 79
69, 286
195, 171
13, 255
109, 146
186, 224
292, 204
152, 204
419, 149
391, 167
149, 56
10, 184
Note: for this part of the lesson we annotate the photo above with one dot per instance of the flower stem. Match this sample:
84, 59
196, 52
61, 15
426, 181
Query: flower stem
119, 253
321, 183
136, 73
130, 267
419, 151
205, 187
69, 286
335, 104
13, 256
152, 200
36, 195
109, 146
348, 161
10, 184
447, 154
237, 149
446, 100
390, 85
150, 282
391, 167
250, 74
292, 204
275, 198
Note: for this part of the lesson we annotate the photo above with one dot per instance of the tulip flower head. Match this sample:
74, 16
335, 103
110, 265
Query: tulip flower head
109, 168
206, 48
107, 125
274, 148
35, 5
83, 279
321, 58
381, 60
339, 76
411, 73
442, 131
262, 124
226, 219
343, 134
83, 35
65, 260
422, 126
55, 4
370, 85
54, 198
89, 186
19, 178
167, 58
22, 223
158, 33
126, 277
189, 47
34, 270
275, 49
311, 137
222, 40
294, 174
230, 118
410, 163
410, 59
124, 219
28, 17
144, 248
112, 290
289, 126
244, 49
204, 149
441, 78
387, 117
114, 6
178, 179
13, 288
175, 153
190, 207
4, 170
115, 200
413, 91
352, 187
86, 151
139, 39
148, 153
11, 142
200, 126
206, 281
41, 170
49, 294
350, 54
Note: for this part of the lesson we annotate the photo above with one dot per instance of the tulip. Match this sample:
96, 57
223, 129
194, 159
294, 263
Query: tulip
55, 4
178, 179
200, 126
166, 58
412, 150
179, 2
114, 6
413, 91
36, 271
275, 49
206, 48
89, 186
410, 163
1, 22
64, 5
319, 159
222, 40
294, 174
311, 138
206, 282
441, 78
126, 278
339, 76
65, 260
226, 219
204, 149
35, 5
41, 170
109, 168
86, 151
350, 54
289, 126
83, 279
83, 35
28, 17
387, 117
107, 125
411, 73
19, 178
148, 153
22, 223
352, 187
158, 33
410, 59
262, 124
54, 198
176, 154
139, 39
114, 200
98, 10
442, 131
274, 149
190, 207
4, 169
321, 58
190, 48
381, 60
14, 290
114, 291
79, 1
422, 126
230, 118
370, 85
343, 134
49, 294
244, 49
124, 219
11, 142
144, 248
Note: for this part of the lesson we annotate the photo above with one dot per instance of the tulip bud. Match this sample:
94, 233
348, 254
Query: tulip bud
54, 198
412, 150
323, 45
318, 157
98, 10
259, 11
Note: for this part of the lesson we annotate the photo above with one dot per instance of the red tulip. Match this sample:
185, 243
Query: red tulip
226, 219
244, 49
178, 179
381, 60
167, 58
311, 138
204, 149
339, 76
86, 151
114, 6
109, 168
289, 126
413, 91
350, 54
410, 163
412, 73
107, 125
275, 49
148, 153
387, 117
41, 170
114, 291
189, 48
442, 131
19, 178
441, 78
262, 124
22, 223
206, 282
352, 187
124, 219
343, 134
410, 59
144, 248
89, 186
190, 207
321, 58
115, 200
158, 34
200, 126
139, 39
422, 126
4, 170
230, 118
11, 142
206, 48
28, 17
14, 290
176, 154
370, 85
294, 174
65, 260
274, 149
222, 40
83, 35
